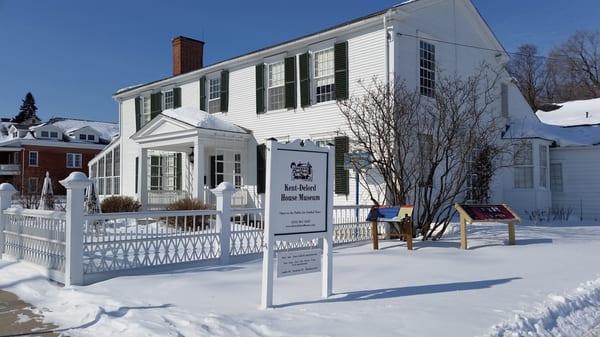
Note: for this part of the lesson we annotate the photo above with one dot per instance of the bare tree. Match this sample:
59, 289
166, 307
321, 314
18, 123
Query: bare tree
574, 67
530, 72
423, 149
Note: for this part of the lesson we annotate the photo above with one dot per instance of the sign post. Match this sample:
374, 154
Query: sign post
486, 214
299, 206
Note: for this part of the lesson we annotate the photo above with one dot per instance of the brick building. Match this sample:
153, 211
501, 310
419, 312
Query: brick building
59, 146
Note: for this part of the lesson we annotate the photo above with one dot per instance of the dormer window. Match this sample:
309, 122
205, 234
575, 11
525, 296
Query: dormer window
53, 134
15, 134
214, 95
82, 136
91, 138
44, 134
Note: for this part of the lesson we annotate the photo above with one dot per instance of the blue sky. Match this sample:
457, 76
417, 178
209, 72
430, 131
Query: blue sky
72, 55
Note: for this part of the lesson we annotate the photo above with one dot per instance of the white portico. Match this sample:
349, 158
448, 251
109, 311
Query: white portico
184, 152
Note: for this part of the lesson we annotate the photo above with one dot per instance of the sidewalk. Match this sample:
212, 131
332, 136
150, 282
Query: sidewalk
18, 319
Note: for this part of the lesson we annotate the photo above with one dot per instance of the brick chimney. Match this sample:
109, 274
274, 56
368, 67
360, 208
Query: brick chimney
187, 54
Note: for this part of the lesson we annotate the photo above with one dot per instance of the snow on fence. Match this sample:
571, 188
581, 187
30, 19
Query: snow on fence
77, 248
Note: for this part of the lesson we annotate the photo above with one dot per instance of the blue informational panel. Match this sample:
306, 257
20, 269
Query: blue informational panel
383, 213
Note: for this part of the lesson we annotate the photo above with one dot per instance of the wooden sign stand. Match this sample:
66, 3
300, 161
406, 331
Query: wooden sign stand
507, 216
403, 218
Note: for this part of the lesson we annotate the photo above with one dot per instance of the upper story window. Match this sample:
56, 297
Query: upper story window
91, 138
53, 134
44, 134
33, 158
146, 116
276, 86
82, 136
523, 166
15, 134
427, 68
214, 95
324, 75
169, 101
74, 160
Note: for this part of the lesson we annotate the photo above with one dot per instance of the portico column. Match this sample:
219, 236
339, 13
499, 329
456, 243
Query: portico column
143, 178
198, 170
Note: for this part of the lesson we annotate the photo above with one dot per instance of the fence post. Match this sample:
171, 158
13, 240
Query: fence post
224, 192
6, 193
75, 184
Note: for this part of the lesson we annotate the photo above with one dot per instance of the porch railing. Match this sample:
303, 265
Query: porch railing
77, 248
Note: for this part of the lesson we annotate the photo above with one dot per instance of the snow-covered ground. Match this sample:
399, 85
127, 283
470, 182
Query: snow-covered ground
547, 285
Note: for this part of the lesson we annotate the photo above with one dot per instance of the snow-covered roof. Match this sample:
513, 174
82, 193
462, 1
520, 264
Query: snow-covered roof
202, 119
106, 130
573, 113
563, 136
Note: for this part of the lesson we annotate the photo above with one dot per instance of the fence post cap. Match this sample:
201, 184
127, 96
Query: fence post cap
75, 180
223, 187
7, 187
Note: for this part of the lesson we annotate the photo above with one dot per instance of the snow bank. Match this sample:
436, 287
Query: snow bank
574, 314
584, 112
201, 119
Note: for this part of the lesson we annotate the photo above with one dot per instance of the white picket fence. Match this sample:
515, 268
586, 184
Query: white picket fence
76, 248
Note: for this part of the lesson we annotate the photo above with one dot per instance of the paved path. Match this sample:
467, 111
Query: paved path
18, 319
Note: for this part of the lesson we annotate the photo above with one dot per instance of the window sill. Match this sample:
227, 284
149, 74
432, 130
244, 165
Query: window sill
332, 102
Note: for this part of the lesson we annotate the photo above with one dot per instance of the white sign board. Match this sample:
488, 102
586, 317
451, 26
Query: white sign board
299, 262
298, 206
298, 187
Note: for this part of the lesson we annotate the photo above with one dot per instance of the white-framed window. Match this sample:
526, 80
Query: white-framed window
523, 166
82, 136
106, 172
32, 185
91, 138
53, 134
543, 149
214, 95
15, 134
427, 68
556, 177
74, 160
45, 134
33, 158
276, 86
168, 99
146, 115
324, 75
237, 170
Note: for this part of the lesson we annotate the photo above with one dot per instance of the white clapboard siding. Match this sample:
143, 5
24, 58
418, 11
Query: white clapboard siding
581, 183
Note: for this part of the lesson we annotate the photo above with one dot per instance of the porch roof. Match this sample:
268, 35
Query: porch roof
202, 119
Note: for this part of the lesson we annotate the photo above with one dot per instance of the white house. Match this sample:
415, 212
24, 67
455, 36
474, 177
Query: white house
575, 156
206, 124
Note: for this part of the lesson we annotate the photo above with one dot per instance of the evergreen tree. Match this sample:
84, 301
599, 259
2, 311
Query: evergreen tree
27, 111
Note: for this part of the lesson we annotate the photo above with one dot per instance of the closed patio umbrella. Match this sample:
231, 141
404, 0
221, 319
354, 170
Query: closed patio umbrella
47, 198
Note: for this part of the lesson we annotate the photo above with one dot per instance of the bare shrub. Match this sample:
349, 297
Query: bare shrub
118, 203
188, 222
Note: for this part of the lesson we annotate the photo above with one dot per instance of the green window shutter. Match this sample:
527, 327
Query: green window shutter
155, 104
137, 172
340, 57
176, 98
261, 168
203, 93
290, 82
138, 113
304, 79
260, 88
178, 171
224, 90
342, 176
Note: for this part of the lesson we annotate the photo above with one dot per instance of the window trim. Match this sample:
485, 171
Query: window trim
529, 166
313, 77
268, 87
46, 132
420, 68
164, 99
74, 155
544, 166
213, 77
37, 159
